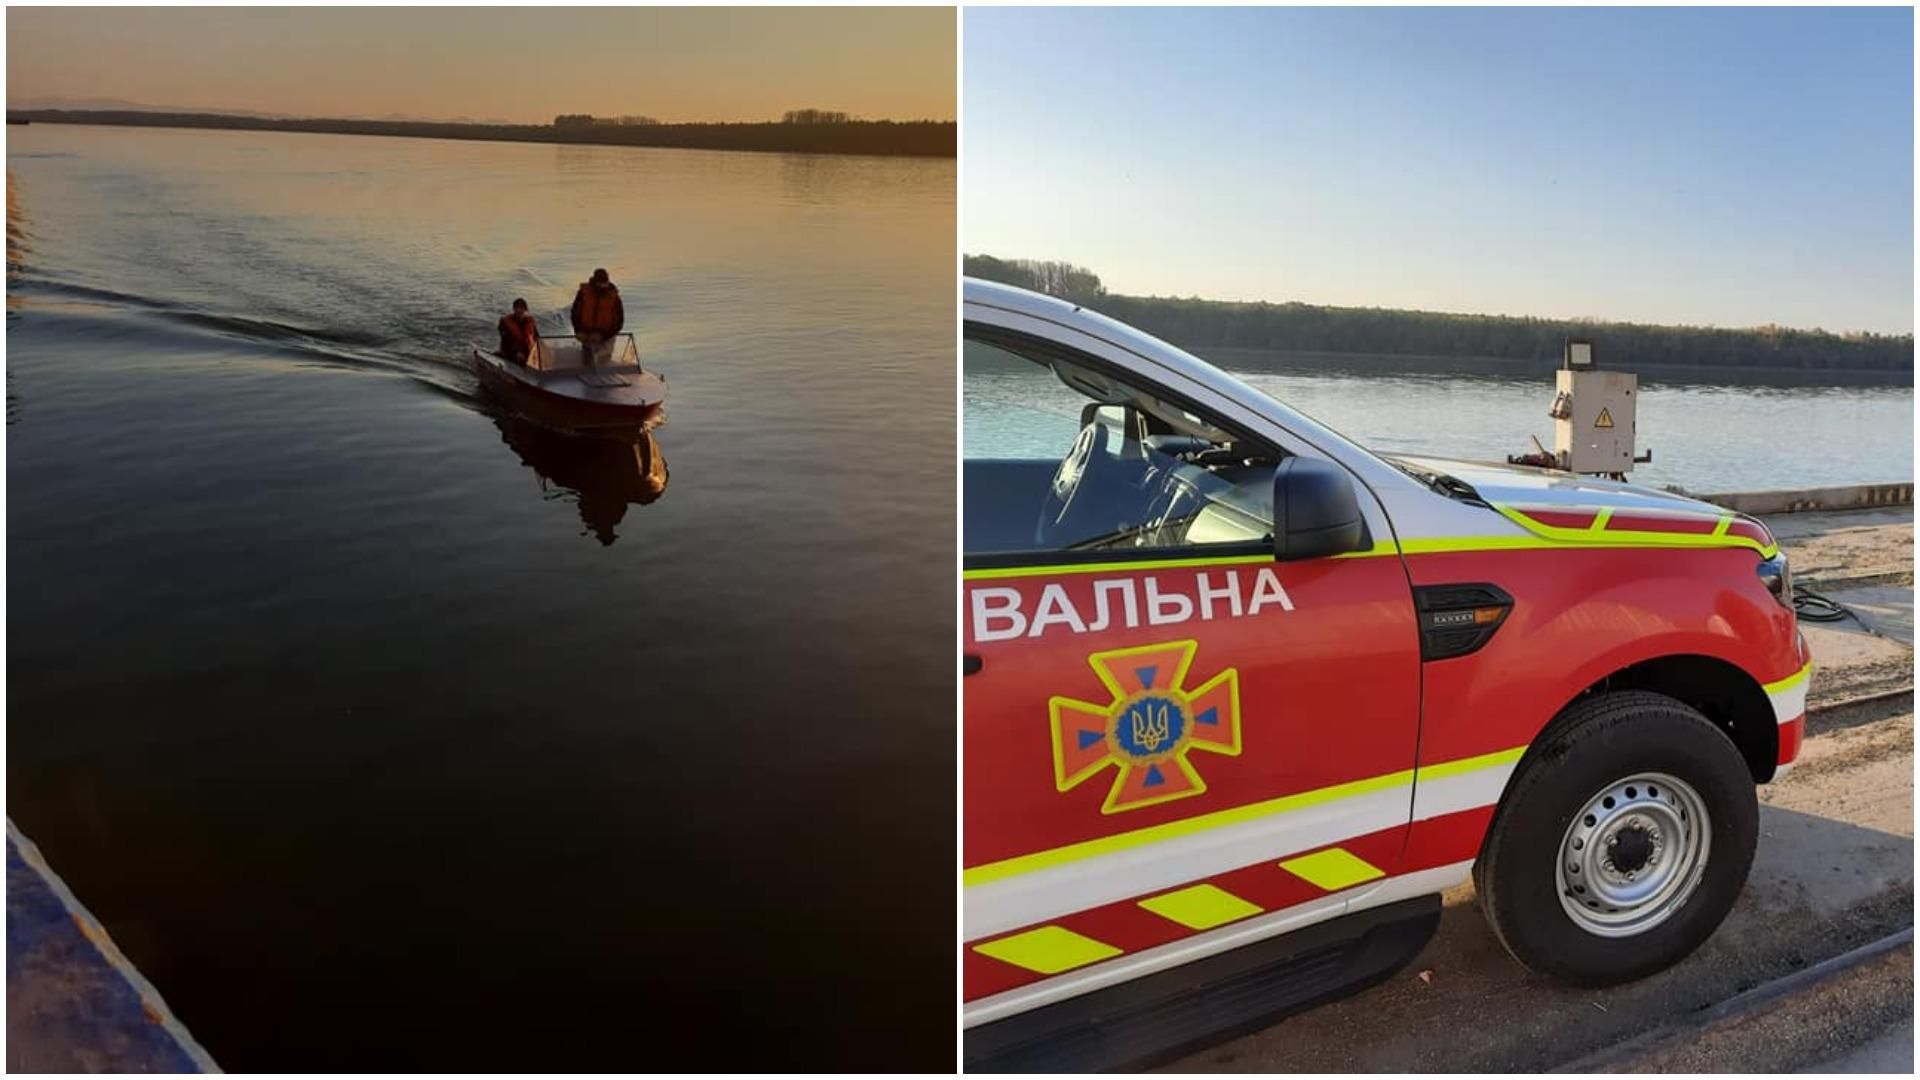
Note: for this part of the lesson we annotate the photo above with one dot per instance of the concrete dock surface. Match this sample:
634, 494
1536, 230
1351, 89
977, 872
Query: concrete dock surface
1834, 872
74, 1003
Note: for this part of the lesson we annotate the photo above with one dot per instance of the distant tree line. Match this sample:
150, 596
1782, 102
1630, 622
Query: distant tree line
585, 120
905, 138
791, 116
1199, 325
814, 116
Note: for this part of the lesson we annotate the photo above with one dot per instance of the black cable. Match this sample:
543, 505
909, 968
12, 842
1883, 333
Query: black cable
1813, 607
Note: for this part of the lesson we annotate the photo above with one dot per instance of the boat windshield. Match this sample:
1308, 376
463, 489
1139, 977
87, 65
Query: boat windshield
560, 353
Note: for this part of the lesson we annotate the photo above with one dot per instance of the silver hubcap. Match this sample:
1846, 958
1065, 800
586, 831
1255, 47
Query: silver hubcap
1633, 855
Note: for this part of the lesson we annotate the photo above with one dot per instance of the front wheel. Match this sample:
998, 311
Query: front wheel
1622, 842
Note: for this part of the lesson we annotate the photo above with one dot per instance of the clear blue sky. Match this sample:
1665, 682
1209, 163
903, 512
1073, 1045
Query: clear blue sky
1730, 166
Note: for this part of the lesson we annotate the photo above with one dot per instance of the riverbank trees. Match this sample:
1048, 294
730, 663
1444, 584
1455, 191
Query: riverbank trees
1201, 325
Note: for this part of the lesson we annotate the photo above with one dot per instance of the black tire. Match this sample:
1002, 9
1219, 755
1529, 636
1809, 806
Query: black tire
1597, 741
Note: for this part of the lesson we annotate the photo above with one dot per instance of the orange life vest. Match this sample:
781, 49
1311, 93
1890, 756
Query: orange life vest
516, 334
597, 310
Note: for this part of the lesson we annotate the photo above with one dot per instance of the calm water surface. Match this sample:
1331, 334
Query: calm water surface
1704, 437
386, 732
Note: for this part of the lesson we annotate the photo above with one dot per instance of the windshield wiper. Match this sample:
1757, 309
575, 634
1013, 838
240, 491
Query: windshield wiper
1455, 488
1451, 486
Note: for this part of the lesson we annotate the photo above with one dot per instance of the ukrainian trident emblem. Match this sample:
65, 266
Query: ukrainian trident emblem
1148, 728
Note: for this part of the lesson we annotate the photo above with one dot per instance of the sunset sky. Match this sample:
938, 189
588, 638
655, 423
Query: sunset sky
1735, 166
516, 64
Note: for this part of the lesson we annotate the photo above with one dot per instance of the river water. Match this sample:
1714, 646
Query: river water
384, 731
1705, 437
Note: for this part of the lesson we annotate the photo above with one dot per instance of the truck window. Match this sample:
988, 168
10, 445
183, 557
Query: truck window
1060, 457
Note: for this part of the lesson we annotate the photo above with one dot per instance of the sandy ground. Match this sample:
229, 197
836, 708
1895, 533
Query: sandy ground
1852, 543
1864, 560
1834, 871
1849, 661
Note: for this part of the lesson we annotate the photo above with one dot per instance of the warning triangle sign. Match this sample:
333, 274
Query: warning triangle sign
1605, 419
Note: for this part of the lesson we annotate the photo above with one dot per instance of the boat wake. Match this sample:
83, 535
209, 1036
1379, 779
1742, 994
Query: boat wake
141, 326
222, 293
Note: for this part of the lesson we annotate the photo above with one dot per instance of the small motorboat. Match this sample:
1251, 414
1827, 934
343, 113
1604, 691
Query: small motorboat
566, 387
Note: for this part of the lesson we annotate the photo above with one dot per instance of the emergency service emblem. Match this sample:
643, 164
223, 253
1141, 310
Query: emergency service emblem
1148, 729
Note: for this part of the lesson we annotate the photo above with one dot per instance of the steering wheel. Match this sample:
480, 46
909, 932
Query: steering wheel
1086, 465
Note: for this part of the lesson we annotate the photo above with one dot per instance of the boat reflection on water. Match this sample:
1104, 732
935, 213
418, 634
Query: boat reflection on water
602, 474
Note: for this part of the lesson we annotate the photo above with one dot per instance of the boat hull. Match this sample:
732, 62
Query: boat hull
563, 401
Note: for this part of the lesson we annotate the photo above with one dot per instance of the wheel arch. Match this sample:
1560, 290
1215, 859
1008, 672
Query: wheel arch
1730, 698
1724, 693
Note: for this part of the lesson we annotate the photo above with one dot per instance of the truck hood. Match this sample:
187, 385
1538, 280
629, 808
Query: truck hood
1508, 484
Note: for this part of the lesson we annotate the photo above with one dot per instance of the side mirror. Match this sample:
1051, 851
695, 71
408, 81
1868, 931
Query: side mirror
1315, 513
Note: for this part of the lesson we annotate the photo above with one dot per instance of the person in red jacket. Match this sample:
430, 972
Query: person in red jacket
597, 312
518, 333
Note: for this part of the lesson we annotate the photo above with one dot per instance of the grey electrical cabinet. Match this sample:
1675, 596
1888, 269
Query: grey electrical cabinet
1595, 434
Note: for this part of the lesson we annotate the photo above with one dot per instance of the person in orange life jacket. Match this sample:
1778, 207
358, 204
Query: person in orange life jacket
518, 332
597, 313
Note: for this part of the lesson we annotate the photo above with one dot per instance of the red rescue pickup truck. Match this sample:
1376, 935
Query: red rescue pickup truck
1242, 698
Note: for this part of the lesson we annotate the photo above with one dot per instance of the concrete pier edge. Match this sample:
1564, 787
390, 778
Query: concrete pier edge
97, 936
1807, 500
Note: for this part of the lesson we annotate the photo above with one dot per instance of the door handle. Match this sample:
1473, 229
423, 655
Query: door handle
969, 663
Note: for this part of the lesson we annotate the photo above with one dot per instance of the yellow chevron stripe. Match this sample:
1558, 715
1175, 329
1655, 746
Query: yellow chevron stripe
1201, 907
1333, 869
1048, 950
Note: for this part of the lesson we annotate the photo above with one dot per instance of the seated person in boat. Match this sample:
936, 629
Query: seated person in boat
597, 313
518, 332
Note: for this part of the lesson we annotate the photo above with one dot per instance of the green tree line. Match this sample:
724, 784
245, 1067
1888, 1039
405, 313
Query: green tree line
1198, 325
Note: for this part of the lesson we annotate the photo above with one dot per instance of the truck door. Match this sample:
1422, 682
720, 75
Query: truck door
1172, 743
